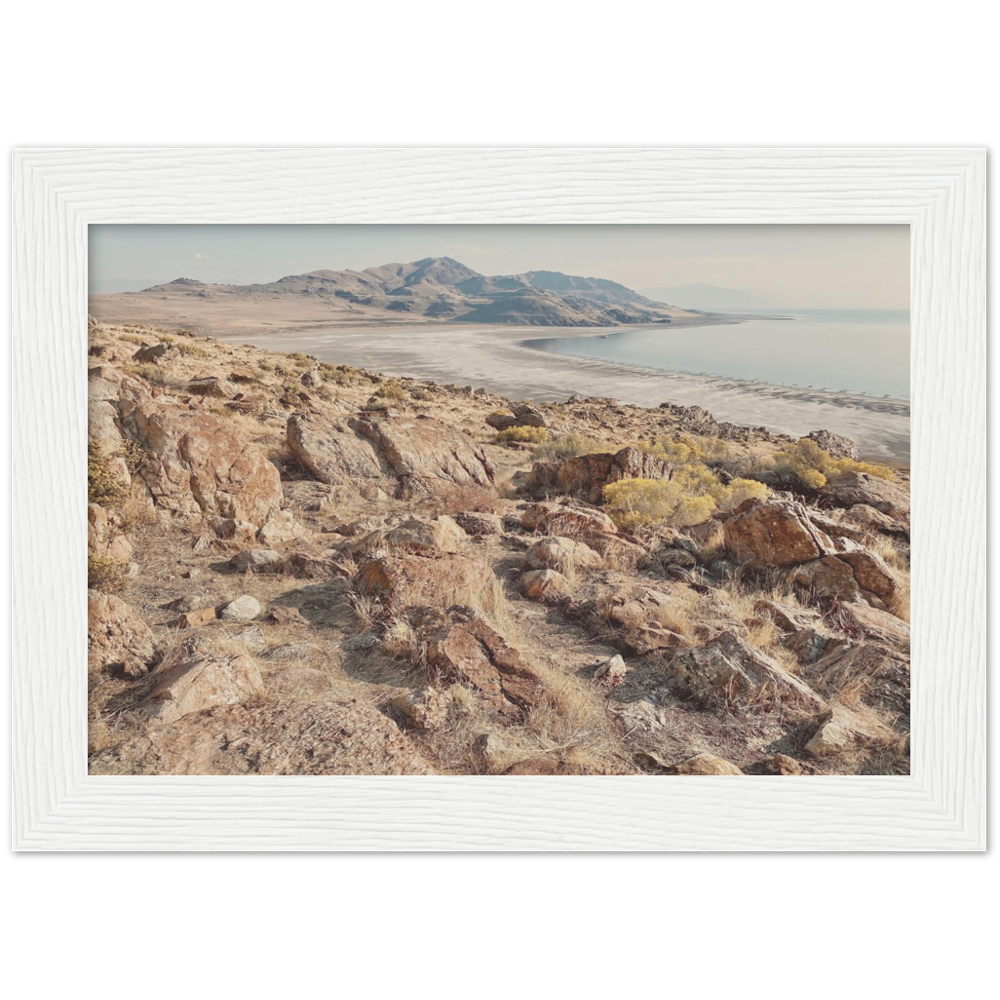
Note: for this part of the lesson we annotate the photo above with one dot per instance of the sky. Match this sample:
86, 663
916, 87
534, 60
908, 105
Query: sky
806, 267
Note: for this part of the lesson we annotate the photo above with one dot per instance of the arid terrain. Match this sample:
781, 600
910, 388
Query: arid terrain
300, 567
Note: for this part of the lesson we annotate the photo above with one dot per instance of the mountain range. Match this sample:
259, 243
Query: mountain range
435, 289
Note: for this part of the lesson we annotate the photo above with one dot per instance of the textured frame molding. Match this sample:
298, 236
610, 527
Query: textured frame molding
940, 193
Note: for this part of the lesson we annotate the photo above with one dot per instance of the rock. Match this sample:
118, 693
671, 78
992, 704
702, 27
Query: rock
299, 651
104, 537
374, 447
426, 709
424, 449
706, 764
527, 416
282, 615
871, 521
425, 536
258, 560
235, 530
870, 571
611, 673
491, 752
501, 421
840, 730
544, 766
117, 638
200, 463
403, 581
862, 488
151, 353
200, 682
243, 609
253, 639
876, 625
546, 585
311, 379
470, 652
195, 619
561, 554
586, 476
476, 524
783, 764
828, 579
218, 387
728, 666
295, 737
281, 527
881, 675
773, 533
331, 451
834, 444
568, 520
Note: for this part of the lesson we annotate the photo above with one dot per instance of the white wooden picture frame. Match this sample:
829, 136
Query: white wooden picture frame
940, 193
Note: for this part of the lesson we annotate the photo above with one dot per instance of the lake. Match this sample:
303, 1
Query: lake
857, 351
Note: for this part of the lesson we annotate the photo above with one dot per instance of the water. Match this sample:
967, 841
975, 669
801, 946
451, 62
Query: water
857, 351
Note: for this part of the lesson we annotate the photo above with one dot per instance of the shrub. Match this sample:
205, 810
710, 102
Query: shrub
105, 574
102, 487
191, 350
570, 446
418, 392
522, 435
732, 495
813, 467
391, 390
642, 503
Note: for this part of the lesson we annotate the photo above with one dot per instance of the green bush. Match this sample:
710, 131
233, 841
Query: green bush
105, 574
391, 390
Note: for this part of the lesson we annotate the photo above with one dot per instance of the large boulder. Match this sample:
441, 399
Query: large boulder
294, 737
568, 519
471, 652
403, 581
586, 475
331, 451
426, 536
862, 488
425, 450
200, 682
198, 463
117, 638
834, 444
774, 533
561, 554
730, 666
415, 452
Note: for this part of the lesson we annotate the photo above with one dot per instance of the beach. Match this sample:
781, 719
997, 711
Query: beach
499, 359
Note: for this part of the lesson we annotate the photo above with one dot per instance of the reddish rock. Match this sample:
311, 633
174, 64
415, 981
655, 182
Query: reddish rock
201, 682
586, 476
774, 533
195, 619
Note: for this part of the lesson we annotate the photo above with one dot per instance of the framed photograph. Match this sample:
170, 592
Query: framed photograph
449, 499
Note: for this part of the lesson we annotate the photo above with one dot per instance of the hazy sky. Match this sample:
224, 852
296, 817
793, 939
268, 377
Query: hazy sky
846, 267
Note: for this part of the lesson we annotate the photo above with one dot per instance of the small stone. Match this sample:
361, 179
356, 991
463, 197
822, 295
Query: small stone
612, 672
282, 615
243, 609
255, 559
367, 640
194, 619
427, 709
191, 574
545, 584
253, 639
706, 763
783, 764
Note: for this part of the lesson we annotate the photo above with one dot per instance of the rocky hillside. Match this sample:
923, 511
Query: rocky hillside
302, 568
436, 289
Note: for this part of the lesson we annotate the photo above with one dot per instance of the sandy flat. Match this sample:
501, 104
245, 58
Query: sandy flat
497, 358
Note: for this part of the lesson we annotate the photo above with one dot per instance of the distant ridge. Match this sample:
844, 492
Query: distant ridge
434, 289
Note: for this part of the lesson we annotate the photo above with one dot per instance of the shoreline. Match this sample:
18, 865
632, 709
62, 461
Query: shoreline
496, 358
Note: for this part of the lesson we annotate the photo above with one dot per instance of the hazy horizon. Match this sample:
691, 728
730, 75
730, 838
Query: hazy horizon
808, 267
